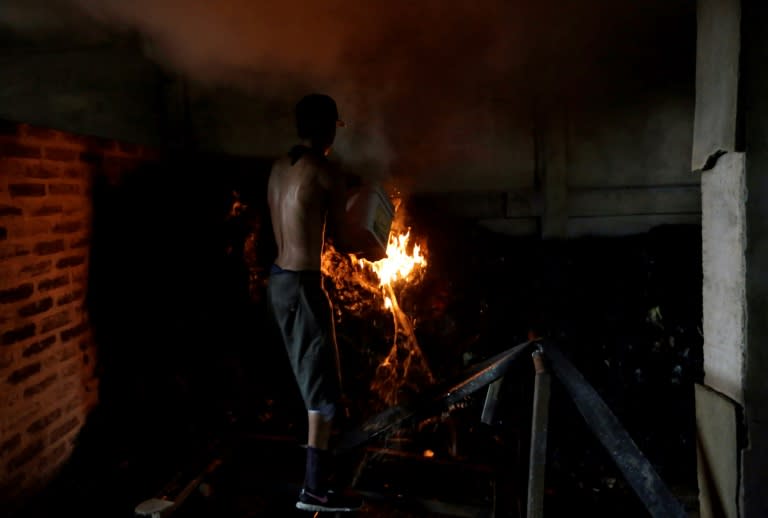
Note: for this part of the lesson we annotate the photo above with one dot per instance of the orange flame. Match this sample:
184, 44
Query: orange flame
400, 268
398, 265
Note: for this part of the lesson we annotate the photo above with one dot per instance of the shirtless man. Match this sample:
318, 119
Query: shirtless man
304, 193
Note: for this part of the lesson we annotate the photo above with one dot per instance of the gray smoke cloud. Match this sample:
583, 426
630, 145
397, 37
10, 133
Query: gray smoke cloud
409, 77
429, 85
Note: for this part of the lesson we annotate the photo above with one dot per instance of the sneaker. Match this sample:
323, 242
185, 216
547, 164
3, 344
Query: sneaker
329, 501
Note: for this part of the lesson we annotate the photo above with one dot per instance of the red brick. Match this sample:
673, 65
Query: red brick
13, 250
43, 172
7, 359
10, 444
73, 260
9, 397
17, 169
23, 373
26, 455
53, 456
76, 173
61, 155
68, 227
79, 276
39, 346
21, 292
80, 243
7, 251
44, 422
73, 368
47, 210
70, 297
17, 335
29, 228
52, 283
54, 322
63, 189
68, 352
74, 331
74, 404
15, 149
64, 429
40, 386
8, 210
78, 208
38, 268
49, 247
36, 307
18, 190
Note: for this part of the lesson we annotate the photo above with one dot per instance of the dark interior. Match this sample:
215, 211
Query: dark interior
541, 152
190, 371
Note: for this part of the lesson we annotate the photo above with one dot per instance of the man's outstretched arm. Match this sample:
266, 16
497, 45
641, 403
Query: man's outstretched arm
337, 225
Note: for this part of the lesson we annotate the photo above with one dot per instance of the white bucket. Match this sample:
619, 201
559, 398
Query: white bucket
370, 215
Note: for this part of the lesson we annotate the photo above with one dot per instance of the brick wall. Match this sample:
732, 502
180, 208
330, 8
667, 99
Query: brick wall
47, 356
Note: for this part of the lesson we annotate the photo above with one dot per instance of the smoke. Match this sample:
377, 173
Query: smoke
422, 84
405, 74
47, 18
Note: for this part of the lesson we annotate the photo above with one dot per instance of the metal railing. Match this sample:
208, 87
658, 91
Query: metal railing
548, 360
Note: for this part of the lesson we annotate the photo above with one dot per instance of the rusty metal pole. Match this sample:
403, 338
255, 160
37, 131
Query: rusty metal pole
538, 454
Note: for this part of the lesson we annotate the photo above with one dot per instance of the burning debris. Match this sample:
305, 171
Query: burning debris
362, 287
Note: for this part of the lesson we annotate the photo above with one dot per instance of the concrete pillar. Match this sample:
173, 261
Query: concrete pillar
719, 402
731, 148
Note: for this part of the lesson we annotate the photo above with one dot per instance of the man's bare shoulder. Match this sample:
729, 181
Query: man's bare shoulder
319, 168
312, 172
280, 164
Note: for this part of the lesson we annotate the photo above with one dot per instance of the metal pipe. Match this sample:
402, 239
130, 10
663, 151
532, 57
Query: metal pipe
538, 453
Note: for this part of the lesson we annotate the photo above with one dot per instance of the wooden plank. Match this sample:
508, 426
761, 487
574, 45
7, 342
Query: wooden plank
717, 453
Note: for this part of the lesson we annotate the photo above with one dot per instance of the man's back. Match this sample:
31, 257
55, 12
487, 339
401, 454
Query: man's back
298, 203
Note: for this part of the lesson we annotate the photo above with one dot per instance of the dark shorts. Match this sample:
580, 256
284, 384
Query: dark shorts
303, 315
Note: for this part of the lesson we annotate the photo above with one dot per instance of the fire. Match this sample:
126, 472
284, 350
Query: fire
398, 264
403, 267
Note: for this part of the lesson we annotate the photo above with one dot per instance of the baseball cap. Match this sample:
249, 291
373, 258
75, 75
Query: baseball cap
318, 108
